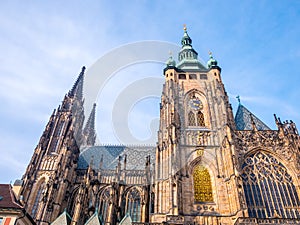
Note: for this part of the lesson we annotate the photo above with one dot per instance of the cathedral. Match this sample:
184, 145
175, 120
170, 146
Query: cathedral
207, 168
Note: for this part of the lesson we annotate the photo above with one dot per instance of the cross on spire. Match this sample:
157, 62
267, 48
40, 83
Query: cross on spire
239, 99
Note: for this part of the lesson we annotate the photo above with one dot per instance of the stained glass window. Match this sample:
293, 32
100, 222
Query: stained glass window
134, 205
269, 188
37, 199
104, 204
202, 184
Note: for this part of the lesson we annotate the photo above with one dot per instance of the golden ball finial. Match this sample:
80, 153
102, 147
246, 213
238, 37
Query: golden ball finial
209, 52
184, 27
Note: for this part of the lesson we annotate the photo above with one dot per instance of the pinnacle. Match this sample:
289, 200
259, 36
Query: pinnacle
77, 89
89, 129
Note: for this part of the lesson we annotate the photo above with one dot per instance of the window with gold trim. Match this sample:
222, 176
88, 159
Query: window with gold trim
196, 119
192, 121
202, 185
200, 119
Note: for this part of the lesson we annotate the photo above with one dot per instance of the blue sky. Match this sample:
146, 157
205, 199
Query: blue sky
44, 44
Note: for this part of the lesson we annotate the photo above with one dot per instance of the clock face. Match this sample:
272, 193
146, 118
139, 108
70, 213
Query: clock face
196, 104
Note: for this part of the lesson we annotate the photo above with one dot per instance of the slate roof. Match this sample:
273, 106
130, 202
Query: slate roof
243, 120
136, 156
7, 198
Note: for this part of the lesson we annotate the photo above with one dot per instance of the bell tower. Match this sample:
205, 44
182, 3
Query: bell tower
195, 176
50, 173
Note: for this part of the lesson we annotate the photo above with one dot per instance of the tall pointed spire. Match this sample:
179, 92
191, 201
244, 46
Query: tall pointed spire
89, 129
77, 89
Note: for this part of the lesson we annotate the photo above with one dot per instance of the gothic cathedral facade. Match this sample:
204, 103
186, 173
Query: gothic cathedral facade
208, 167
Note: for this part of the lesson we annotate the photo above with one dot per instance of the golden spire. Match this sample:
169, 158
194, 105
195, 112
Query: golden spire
184, 27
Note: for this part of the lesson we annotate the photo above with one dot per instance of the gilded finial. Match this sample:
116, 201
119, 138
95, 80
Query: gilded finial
184, 27
210, 54
170, 53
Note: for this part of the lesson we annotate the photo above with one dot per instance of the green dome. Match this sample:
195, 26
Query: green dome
171, 62
211, 62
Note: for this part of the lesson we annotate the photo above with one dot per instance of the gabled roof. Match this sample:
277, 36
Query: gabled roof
63, 219
126, 220
7, 198
243, 120
93, 220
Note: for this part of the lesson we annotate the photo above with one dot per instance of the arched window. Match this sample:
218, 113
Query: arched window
196, 119
269, 188
38, 197
134, 205
152, 199
191, 117
72, 202
202, 185
104, 205
200, 119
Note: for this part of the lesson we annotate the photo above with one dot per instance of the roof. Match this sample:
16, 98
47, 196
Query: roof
8, 199
136, 156
126, 220
63, 219
94, 219
243, 120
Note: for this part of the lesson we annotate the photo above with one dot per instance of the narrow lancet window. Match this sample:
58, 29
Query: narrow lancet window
134, 205
104, 205
192, 121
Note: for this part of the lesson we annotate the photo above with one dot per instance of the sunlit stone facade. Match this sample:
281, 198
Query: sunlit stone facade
207, 167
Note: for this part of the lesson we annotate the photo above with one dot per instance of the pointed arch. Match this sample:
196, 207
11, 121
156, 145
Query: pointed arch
191, 119
200, 119
133, 206
196, 109
268, 187
104, 202
40, 192
72, 202
202, 184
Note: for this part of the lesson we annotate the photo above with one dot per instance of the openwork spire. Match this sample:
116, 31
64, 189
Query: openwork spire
89, 129
77, 89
